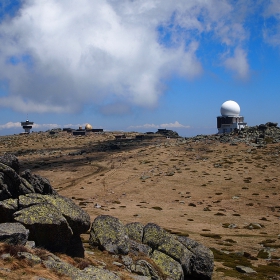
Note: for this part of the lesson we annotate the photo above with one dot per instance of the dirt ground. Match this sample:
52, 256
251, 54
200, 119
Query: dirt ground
225, 196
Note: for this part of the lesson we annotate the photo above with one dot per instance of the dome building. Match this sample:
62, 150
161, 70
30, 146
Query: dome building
230, 118
88, 127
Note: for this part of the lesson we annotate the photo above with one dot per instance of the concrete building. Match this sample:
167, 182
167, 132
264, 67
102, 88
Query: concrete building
230, 118
27, 125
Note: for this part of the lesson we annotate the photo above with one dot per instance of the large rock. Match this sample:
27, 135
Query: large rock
41, 185
25, 187
13, 233
77, 218
109, 234
25, 201
10, 160
144, 268
135, 231
12, 185
168, 266
7, 208
48, 228
136, 248
202, 261
9, 182
161, 240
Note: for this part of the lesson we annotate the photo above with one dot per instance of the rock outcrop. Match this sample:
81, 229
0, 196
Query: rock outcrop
177, 257
54, 222
257, 136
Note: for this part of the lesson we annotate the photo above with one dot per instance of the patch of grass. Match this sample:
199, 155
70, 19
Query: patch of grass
230, 260
157, 208
230, 240
211, 235
220, 214
233, 273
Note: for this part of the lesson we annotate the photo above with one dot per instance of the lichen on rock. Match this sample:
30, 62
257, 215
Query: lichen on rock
109, 234
48, 228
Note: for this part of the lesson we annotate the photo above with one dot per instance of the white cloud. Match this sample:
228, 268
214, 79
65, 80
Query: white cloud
60, 55
271, 28
238, 63
10, 125
176, 124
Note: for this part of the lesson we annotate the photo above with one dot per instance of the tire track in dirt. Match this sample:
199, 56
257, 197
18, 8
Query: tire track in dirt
73, 182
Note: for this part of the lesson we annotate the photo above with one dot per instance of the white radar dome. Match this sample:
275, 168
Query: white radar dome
230, 108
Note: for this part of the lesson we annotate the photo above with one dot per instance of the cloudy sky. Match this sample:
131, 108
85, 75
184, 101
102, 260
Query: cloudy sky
138, 64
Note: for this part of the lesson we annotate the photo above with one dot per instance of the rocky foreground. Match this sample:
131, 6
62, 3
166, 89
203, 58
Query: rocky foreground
32, 214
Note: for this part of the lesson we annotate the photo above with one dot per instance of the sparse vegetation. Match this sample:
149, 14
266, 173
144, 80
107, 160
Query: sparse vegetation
208, 175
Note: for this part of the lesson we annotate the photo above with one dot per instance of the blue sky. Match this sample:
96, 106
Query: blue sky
138, 65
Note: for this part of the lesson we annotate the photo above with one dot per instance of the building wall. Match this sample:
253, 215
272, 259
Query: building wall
228, 124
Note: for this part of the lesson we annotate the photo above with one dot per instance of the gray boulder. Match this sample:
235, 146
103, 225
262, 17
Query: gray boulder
168, 266
13, 233
161, 240
202, 261
25, 187
41, 185
109, 234
25, 201
12, 185
48, 228
144, 268
7, 208
9, 182
77, 218
10, 160
135, 231
136, 248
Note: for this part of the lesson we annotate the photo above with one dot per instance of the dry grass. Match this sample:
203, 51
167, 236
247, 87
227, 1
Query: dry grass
18, 268
168, 175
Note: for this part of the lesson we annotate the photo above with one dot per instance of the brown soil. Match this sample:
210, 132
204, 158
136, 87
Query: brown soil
207, 190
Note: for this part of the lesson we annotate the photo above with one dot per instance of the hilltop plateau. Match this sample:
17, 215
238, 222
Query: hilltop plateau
220, 190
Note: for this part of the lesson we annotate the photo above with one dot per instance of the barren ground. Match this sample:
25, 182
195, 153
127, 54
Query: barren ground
208, 190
